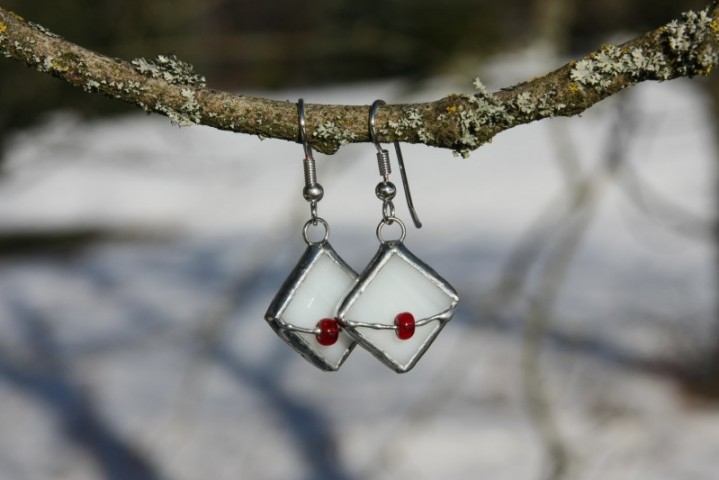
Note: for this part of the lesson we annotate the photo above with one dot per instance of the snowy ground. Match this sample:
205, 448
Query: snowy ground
150, 359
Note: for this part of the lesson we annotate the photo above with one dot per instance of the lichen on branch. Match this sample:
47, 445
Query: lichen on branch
685, 47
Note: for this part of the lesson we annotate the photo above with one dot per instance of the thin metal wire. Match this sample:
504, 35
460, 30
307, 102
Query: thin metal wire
405, 185
384, 163
308, 164
303, 133
372, 115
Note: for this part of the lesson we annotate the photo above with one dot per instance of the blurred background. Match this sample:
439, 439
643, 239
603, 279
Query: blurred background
137, 259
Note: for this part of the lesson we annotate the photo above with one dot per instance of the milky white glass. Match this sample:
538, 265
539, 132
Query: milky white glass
311, 293
396, 281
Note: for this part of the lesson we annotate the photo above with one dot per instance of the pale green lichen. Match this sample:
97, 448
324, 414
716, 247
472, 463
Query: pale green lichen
524, 103
43, 30
47, 63
424, 135
487, 114
334, 132
51, 64
687, 52
118, 89
188, 114
547, 106
177, 118
413, 118
171, 69
410, 121
688, 39
191, 108
607, 60
479, 87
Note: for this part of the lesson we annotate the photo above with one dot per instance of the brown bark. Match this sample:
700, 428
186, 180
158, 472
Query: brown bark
687, 46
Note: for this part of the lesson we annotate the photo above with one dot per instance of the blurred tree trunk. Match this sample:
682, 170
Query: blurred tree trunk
713, 87
553, 19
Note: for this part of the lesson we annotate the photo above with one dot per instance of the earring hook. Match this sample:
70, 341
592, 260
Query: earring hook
313, 191
303, 133
372, 132
384, 163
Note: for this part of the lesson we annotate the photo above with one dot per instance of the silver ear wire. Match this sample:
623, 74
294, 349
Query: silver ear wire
405, 185
313, 191
386, 190
303, 133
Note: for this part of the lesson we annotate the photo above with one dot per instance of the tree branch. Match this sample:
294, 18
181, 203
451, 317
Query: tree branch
685, 47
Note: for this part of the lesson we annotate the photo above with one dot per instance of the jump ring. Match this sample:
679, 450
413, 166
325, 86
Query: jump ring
315, 221
390, 221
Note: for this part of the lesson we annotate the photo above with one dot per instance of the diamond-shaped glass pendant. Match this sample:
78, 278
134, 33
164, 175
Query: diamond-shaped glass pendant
304, 311
397, 307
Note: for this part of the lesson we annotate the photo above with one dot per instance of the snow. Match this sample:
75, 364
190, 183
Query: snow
159, 343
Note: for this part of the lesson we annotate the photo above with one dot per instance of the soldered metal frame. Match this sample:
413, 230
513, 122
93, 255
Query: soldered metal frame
387, 250
291, 333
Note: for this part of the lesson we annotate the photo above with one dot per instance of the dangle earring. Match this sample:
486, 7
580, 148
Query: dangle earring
304, 311
398, 305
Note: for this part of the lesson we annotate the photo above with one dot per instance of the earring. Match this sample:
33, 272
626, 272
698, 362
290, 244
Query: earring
398, 305
304, 311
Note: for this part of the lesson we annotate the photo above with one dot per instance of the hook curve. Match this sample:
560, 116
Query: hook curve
372, 131
313, 191
405, 185
303, 132
400, 160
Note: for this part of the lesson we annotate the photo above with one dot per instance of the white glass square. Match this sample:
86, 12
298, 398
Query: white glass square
395, 282
312, 292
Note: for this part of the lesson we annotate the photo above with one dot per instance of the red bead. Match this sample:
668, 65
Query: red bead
404, 325
329, 331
